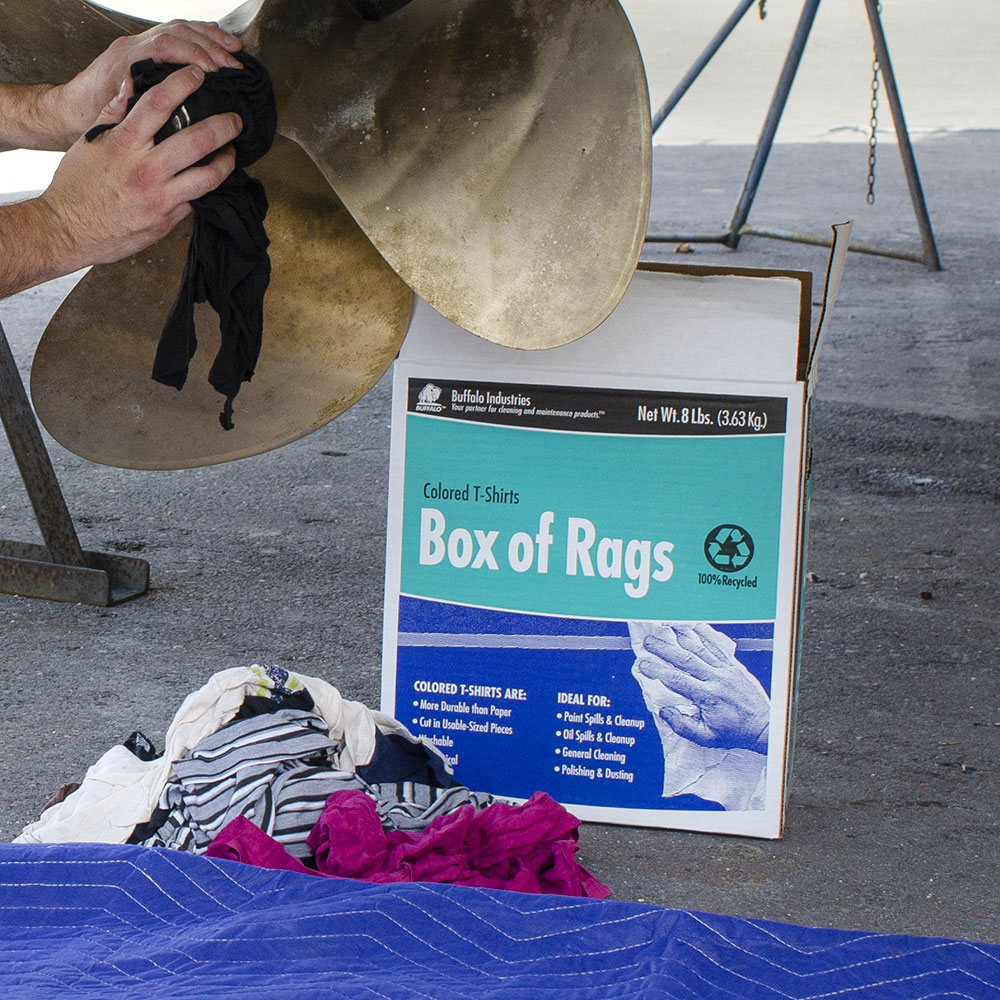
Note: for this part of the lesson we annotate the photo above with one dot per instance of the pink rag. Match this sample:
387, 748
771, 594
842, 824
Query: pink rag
528, 848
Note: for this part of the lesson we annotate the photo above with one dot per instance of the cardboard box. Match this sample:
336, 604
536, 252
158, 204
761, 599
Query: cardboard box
595, 552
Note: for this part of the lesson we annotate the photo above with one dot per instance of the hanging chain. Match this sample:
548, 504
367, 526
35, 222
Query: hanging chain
761, 8
873, 124
873, 135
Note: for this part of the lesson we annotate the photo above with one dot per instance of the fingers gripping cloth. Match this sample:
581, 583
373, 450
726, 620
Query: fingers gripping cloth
227, 263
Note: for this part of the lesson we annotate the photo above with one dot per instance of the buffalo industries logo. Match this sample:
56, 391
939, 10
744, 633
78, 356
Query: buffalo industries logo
427, 399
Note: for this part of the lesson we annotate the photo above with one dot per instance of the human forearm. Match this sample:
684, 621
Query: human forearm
122, 192
31, 117
33, 248
119, 194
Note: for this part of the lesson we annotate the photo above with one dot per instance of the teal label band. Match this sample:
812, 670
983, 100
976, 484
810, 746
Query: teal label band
592, 522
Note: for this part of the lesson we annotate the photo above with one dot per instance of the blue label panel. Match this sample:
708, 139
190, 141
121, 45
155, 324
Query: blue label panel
522, 702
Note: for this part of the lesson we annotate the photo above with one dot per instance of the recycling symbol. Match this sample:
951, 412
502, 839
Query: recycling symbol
729, 548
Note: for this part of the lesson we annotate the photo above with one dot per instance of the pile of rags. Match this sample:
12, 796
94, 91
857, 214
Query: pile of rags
277, 769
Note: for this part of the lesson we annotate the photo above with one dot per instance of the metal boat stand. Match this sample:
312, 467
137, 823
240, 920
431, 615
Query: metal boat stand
59, 570
739, 226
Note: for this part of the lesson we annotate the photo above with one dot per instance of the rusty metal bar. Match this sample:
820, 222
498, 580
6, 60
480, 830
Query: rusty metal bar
59, 570
688, 238
855, 246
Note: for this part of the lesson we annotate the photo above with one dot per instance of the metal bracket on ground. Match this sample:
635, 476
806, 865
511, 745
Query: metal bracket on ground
59, 570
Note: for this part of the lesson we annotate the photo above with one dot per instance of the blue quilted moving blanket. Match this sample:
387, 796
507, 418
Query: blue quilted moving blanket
88, 920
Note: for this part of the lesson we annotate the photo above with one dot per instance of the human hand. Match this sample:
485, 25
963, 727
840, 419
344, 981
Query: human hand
71, 108
120, 193
730, 707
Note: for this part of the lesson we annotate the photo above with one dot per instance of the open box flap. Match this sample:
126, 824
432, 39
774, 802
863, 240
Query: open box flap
713, 323
831, 288
685, 321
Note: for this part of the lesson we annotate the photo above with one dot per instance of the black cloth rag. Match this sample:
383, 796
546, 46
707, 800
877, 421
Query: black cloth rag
227, 262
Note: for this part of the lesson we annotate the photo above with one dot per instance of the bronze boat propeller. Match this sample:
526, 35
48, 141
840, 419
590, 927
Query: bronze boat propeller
492, 156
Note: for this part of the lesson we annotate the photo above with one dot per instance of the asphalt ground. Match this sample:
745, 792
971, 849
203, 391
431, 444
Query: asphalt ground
895, 797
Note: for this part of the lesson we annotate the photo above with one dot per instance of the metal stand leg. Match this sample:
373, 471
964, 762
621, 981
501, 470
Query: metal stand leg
774, 112
930, 255
739, 226
59, 570
701, 62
